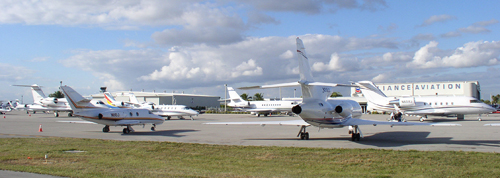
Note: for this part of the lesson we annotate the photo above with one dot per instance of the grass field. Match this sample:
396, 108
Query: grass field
107, 158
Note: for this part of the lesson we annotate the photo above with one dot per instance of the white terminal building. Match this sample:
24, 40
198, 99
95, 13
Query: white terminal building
189, 100
462, 88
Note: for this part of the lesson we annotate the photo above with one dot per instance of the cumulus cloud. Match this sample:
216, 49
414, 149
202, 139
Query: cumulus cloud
437, 18
251, 60
337, 64
472, 54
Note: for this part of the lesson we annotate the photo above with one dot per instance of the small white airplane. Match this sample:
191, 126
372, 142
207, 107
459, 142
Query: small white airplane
317, 110
109, 116
6, 108
44, 103
164, 110
258, 107
424, 105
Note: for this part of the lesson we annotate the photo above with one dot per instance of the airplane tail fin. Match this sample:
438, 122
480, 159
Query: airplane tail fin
233, 96
110, 100
372, 93
133, 99
304, 68
75, 100
37, 92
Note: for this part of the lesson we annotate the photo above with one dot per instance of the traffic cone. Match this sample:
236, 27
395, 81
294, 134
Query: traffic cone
40, 128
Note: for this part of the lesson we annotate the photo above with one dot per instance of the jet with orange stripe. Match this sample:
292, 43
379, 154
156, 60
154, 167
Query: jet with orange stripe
109, 116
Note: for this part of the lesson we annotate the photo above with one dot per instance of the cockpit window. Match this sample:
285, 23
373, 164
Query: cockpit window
475, 101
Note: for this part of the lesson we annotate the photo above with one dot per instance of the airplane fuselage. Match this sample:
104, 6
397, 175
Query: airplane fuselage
441, 106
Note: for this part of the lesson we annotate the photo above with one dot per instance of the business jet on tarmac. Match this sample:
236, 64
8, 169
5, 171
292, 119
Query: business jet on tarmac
164, 110
258, 107
6, 108
47, 103
317, 110
424, 105
109, 116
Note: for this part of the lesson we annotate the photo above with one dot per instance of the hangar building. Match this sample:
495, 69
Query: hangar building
461, 88
190, 100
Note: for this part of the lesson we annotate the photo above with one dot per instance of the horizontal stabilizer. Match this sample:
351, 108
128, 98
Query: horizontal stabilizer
391, 123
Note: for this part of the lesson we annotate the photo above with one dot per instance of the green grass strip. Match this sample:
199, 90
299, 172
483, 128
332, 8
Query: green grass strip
108, 158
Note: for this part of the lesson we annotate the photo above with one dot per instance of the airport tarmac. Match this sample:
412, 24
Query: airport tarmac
471, 136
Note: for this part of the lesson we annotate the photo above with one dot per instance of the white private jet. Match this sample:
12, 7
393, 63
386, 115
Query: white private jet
6, 108
424, 105
109, 116
258, 107
46, 103
317, 110
164, 110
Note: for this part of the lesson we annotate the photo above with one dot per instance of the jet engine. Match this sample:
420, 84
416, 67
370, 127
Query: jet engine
343, 109
297, 109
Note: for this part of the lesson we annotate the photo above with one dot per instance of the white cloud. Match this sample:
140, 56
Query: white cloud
286, 55
437, 18
472, 54
424, 37
251, 60
337, 64
249, 68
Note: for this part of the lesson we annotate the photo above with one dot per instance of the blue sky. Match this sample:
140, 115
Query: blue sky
198, 46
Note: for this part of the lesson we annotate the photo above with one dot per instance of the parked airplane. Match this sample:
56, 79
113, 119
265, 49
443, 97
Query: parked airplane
6, 107
109, 116
47, 103
317, 110
424, 105
164, 110
258, 107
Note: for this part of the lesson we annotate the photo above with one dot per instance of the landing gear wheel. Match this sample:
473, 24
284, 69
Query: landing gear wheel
479, 119
265, 115
421, 119
304, 136
258, 115
152, 128
126, 130
355, 137
56, 114
105, 129
168, 118
70, 114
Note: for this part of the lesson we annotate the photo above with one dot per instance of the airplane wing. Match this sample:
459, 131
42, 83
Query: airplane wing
351, 122
78, 122
263, 123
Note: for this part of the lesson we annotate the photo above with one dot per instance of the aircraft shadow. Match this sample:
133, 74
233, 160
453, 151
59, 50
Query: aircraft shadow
166, 133
398, 139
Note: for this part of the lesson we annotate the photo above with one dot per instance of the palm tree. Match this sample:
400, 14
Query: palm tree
57, 94
258, 96
244, 96
494, 99
336, 94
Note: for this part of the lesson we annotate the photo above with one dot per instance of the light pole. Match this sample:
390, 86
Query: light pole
225, 98
294, 92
